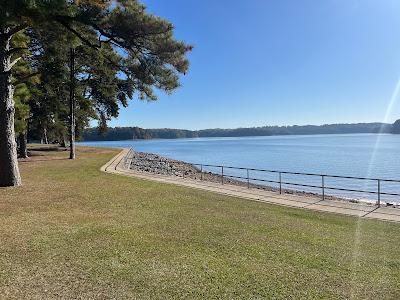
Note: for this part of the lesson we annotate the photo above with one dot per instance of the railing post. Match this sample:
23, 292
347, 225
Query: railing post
248, 179
323, 187
222, 173
201, 172
280, 182
379, 193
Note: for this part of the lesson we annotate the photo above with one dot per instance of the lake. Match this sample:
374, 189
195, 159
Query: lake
356, 155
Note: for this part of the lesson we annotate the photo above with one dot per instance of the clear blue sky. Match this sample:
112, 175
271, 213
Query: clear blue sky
279, 62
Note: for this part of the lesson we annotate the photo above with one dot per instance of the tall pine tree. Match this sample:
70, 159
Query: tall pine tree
131, 42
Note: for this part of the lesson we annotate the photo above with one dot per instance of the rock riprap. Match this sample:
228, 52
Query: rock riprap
148, 162
153, 163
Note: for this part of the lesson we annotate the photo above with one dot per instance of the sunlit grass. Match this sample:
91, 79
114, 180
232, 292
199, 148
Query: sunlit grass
72, 231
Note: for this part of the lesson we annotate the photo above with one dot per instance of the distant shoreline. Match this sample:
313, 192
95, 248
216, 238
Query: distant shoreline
137, 133
247, 136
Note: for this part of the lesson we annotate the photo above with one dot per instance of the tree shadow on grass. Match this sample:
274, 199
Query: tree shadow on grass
40, 159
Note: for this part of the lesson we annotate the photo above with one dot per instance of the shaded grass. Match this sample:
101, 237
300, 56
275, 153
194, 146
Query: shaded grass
74, 232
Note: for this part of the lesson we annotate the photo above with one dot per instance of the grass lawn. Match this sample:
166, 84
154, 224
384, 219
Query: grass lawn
74, 232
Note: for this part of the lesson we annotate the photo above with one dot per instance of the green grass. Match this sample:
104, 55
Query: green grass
74, 232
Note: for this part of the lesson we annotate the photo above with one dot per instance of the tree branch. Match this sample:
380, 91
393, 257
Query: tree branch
14, 30
110, 37
14, 62
25, 78
14, 50
80, 36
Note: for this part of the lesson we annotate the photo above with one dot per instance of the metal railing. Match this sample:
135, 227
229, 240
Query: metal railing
280, 182
323, 187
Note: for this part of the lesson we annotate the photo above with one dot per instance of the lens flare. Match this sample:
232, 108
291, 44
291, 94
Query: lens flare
388, 113
357, 233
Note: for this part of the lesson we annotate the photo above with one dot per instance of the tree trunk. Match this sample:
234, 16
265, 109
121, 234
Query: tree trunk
23, 151
9, 171
63, 142
46, 140
72, 106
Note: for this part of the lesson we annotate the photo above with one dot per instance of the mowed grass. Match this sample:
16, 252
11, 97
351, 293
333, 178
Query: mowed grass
74, 232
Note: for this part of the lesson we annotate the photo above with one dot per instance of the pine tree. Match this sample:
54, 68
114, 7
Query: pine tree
128, 39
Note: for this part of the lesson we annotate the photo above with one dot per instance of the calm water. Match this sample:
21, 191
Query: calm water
360, 155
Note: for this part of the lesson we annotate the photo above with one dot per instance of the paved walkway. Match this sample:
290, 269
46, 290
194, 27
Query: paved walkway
116, 166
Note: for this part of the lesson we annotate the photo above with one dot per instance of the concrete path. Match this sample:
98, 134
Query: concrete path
117, 166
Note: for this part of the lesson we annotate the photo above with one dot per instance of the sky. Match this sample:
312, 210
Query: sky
279, 62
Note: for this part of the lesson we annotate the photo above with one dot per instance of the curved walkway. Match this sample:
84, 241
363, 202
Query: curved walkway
117, 166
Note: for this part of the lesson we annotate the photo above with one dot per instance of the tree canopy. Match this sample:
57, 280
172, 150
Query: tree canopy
121, 52
128, 133
396, 127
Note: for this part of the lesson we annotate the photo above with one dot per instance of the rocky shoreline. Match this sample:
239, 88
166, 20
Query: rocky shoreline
156, 164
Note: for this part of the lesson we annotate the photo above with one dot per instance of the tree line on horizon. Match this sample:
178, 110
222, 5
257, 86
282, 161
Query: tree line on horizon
128, 133
65, 63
